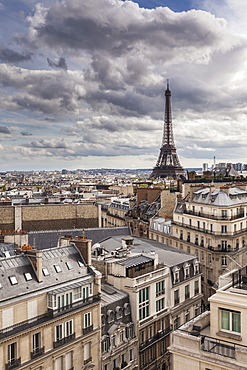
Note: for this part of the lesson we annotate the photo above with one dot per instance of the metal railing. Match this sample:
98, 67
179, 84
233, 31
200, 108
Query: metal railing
12, 364
214, 217
49, 315
37, 352
87, 330
218, 346
62, 341
158, 336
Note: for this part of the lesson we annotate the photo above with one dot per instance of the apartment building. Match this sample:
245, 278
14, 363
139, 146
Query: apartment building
217, 339
119, 341
113, 213
212, 224
49, 310
163, 285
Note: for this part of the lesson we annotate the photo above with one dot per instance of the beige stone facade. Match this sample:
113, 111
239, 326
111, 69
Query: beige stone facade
217, 339
212, 224
49, 311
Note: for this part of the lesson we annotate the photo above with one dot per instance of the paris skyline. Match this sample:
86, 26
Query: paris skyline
79, 86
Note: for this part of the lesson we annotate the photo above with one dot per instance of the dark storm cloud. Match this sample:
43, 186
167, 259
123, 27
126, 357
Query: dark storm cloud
12, 56
4, 130
122, 27
60, 63
25, 133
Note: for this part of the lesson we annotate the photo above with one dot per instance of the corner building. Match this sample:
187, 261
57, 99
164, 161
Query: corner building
49, 310
211, 223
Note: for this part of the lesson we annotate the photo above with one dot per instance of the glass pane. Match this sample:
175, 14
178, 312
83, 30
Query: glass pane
236, 322
225, 322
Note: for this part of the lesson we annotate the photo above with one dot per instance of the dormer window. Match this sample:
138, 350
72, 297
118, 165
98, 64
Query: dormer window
196, 268
126, 309
119, 312
187, 271
110, 316
176, 274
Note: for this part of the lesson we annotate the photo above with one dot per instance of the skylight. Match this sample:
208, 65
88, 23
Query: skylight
45, 271
28, 276
69, 265
57, 268
13, 280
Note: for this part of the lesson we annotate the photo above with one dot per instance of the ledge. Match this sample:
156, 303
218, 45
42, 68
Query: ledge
229, 335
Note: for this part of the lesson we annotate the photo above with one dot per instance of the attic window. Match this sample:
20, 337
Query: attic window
13, 280
45, 272
69, 265
28, 276
80, 263
57, 268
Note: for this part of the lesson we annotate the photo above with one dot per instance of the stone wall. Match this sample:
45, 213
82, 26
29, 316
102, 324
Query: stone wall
50, 217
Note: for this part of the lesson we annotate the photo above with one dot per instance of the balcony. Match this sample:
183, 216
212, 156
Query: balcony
12, 364
214, 217
49, 315
89, 359
210, 232
87, 330
37, 352
62, 341
74, 306
160, 335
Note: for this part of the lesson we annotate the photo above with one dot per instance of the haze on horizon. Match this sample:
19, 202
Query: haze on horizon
85, 89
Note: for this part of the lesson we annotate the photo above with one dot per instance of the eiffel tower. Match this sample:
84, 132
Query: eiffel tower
168, 164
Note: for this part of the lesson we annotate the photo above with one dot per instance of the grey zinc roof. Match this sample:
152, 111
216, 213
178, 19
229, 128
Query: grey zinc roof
49, 238
20, 264
168, 255
113, 297
220, 197
134, 261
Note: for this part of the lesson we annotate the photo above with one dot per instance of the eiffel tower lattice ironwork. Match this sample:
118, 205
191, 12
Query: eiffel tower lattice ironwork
168, 164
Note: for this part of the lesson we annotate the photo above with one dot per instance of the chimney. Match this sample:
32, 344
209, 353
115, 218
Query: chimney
35, 257
84, 246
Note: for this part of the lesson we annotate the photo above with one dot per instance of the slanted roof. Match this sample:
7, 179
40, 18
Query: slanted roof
134, 261
49, 238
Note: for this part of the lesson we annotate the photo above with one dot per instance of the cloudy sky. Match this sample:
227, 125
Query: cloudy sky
82, 82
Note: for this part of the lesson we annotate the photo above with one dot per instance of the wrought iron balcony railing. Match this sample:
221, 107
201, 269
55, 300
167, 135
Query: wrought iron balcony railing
158, 336
49, 315
87, 330
12, 364
37, 352
62, 341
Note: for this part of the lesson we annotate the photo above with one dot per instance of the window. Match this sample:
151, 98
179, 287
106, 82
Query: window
126, 309
59, 363
57, 268
160, 288
187, 291
87, 320
176, 297
181, 246
121, 337
143, 303
131, 356
51, 300
160, 304
188, 249
13, 280
45, 272
68, 328
211, 227
187, 316
176, 276
224, 229
69, 361
196, 287
77, 293
210, 258
105, 345
115, 363
176, 322
202, 256
230, 321
36, 342
87, 353
12, 353
196, 268
224, 245
224, 213
223, 260
142, 336
106, 367
119, 312
28, 276
58, 332
130, 331
110, 316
